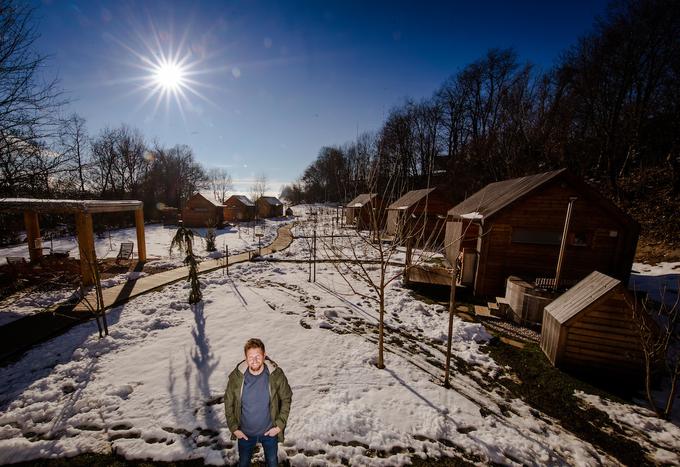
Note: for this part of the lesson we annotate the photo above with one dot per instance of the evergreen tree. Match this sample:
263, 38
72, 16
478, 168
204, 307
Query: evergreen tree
183, 240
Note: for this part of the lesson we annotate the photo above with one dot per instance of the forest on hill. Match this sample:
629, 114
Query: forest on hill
608, 110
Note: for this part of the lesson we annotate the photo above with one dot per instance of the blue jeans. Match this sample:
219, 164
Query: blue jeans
270, 444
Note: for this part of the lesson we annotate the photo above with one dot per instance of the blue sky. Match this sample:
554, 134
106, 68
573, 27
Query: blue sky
274, 81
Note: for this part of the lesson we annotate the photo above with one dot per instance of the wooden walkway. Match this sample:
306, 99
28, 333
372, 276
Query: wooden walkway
117, 295
20, 335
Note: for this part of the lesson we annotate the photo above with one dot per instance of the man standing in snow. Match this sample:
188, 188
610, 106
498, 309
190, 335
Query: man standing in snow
257, 403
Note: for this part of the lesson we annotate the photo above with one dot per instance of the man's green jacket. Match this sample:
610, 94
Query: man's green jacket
280, 396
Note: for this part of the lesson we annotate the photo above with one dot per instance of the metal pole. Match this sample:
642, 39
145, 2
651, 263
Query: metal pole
314, 248
563, 244
452, 305
226, 247
310, 262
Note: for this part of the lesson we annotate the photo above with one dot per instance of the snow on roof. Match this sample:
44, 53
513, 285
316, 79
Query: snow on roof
272, 200
472, 215
243, 199
217, 204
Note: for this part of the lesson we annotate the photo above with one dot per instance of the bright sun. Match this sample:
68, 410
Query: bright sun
169, 76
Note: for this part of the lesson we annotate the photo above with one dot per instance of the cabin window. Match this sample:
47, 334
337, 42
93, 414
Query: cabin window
536, 237
578, 238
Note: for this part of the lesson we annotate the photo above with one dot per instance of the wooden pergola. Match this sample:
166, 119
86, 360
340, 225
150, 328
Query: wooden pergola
83, 210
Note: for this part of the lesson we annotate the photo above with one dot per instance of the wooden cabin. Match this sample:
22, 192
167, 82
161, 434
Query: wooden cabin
362, 210
591, 328
419, 215
238, 208
169, 215
199, 211
269, 206
514, 228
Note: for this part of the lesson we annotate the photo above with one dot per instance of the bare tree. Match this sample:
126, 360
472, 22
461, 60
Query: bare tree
220, 183
28, 104
659, 330
259, 187
377, 259
74, 144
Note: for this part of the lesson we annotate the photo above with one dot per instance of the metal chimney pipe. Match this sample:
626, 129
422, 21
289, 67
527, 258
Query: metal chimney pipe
563, 244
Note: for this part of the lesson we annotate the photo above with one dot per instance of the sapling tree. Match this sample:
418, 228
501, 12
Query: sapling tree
371, 255
658, 325
210, 236
183, 241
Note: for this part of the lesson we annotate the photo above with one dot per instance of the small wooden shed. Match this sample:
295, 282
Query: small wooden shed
200, 211
419, 215
365, 211
514, 228
591, 328
238, 208
269, 206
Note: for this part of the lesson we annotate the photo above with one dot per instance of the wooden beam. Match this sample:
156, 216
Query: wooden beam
141, 243
33, 233
88, 256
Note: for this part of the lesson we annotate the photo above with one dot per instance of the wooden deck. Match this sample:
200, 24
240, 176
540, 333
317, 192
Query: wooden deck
430, 274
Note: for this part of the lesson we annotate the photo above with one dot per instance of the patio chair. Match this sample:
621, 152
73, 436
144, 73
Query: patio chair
125, 252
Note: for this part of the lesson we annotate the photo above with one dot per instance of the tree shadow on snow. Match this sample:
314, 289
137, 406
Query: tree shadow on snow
199, 365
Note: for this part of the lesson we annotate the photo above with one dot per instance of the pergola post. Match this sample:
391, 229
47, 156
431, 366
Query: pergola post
141, 243
33, 233
88, 257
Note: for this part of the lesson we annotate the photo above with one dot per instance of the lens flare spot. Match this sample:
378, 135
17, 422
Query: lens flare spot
169, 76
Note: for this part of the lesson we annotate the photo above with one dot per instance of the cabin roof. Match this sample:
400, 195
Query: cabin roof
68, 205
410, 198
243, 199
581, 296
271, 200
217, 204
496, 196
360, 200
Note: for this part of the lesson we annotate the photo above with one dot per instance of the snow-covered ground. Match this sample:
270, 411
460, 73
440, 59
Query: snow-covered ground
660, 281
153, 388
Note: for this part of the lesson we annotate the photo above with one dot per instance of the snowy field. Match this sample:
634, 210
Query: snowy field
153, 388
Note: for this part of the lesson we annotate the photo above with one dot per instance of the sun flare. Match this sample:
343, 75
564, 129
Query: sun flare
169, 76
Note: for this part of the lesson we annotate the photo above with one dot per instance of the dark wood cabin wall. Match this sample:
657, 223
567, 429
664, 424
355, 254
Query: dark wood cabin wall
193, 218
604, 336
545, 210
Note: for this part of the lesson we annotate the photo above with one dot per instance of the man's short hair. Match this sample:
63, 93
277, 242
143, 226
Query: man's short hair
253, 343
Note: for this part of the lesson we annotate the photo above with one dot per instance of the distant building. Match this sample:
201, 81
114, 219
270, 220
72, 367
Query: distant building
238, 208
514, 228
200, 211
365, 212
269, 206
169, 215
419, 215
591, 328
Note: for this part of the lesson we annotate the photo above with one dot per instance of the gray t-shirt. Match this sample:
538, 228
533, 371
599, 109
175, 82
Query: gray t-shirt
255, 416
